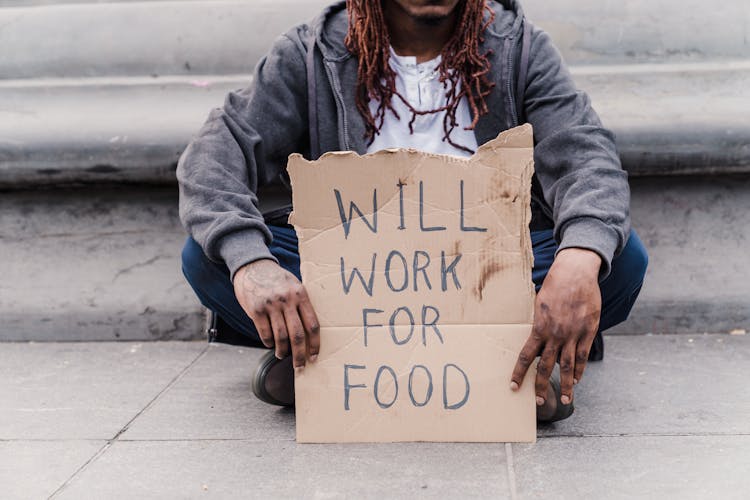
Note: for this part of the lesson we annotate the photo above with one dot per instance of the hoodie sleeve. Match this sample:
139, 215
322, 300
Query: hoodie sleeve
243, 145
576, 159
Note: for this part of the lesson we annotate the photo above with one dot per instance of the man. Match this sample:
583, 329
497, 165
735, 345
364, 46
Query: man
438, 75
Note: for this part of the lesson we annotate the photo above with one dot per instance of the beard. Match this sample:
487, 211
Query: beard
434, 19
430, 20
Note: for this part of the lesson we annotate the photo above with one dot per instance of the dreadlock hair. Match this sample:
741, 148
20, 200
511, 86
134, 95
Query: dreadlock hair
462, 65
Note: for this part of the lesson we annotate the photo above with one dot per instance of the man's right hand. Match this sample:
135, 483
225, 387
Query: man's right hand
279, 306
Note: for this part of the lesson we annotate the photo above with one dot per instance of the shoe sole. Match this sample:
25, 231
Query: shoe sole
266, 363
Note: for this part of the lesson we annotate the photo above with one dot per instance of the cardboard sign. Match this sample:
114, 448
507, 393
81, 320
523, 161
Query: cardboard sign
419, 268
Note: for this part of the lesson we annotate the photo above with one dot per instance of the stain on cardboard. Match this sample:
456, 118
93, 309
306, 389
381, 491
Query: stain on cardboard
489, 269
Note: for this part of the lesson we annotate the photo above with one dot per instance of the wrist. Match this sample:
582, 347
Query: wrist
256, 264
586, 261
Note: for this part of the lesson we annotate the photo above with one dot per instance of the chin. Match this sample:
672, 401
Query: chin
429, 10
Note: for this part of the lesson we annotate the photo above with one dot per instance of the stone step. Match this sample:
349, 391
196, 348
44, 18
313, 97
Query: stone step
93, 265
644, 31
104, 264
76, 38
696, 232
675, 119
95, 130
134, 129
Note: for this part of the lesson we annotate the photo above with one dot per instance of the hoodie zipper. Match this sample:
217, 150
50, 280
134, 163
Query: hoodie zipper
338, 94
509, 85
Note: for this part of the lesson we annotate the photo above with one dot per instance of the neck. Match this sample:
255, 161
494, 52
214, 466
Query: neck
421, 38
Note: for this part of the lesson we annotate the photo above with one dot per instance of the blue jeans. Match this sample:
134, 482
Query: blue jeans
211, 283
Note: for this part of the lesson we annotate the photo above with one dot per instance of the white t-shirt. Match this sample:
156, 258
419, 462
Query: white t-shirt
420, 85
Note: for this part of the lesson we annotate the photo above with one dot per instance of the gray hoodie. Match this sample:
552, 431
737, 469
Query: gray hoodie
233, 180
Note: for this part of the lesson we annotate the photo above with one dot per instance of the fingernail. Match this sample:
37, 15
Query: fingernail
313, 358
565, 400
539, 401
575, 381
299, 369
277, 355
513, 386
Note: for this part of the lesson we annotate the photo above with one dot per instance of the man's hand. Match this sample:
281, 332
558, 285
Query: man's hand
566, 319
279, 306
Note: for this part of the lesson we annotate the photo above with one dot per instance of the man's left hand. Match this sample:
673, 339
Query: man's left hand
566, 319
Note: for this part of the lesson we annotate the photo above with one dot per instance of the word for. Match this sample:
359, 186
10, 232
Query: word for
385, 400
430, 317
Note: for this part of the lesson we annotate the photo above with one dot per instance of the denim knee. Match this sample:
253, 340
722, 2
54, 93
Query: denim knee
196, 267
620, 290
634, 258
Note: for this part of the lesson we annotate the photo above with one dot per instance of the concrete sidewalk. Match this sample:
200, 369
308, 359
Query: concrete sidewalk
661, 417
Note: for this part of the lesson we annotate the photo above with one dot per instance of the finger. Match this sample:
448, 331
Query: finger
296, 336
259, 317
581, 358
544, 371
280, 334
525, 358
263, 325
312, 327
567, 365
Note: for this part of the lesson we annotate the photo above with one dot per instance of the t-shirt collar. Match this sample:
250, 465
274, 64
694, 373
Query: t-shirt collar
409, 63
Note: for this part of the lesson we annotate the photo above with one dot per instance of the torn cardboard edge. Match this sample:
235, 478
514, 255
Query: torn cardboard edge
518, 137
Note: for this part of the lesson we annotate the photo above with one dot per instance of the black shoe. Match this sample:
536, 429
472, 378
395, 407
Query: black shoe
597, 348
273, 382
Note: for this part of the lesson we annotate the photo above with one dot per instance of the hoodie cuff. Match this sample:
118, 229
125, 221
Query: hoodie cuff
591, 234
243, 247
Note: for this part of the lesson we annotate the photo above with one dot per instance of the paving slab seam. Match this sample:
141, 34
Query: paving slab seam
110, 442
50, 440
255, 440
511, 468
207, 440
647, 434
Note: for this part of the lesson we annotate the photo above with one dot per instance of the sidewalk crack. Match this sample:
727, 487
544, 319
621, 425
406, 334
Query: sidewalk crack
119, 433
511, 471
138, 265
